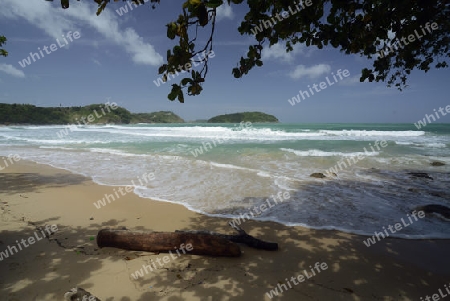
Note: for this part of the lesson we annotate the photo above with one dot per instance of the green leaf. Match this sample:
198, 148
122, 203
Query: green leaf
101, 8
186, 81
171, 30
214, 3
180, 96
172, 95
236, 73
65, 4
202, 15
162, 69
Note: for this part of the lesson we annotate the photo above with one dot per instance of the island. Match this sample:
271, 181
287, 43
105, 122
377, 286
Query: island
91, 114
256, 117
156, 117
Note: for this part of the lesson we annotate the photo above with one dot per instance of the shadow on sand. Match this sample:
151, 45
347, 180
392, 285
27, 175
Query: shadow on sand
392, 269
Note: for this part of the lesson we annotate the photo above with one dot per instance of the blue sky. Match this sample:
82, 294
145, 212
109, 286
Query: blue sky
117, 57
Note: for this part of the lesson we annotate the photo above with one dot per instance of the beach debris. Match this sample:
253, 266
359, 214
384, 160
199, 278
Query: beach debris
202, 242
420, 175
318, 175
437, 163
439, 194
444, 211
79, 294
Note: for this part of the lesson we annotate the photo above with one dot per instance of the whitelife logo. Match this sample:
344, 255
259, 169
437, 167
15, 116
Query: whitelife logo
35, 56
146, 177
423, 123
11, 158
90, 118
371, 240
321, 86
280, 197
124, 9
207, 146
300, 278
280, 17
11, 250
354, 159
437, 297
411, 38
166, 259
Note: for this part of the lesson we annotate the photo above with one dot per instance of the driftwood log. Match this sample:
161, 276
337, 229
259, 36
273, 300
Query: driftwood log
79, 294
202, 242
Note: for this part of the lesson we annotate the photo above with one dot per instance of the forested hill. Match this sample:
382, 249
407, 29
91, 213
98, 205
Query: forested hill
244, 116
91, 114
157, 117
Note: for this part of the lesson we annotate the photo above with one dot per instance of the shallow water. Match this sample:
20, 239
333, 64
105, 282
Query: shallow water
226, 170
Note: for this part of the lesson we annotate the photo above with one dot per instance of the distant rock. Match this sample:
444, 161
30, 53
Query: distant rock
420, 175
438, 194
318, 175
433, 208
437, 163
244, 116
415, 190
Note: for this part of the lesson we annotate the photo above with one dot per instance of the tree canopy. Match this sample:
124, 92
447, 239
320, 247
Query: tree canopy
3, 52
399, 36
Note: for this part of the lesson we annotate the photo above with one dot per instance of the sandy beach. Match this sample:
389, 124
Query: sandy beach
224, 150
33, 195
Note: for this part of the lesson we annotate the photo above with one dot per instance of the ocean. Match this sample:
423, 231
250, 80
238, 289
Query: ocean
227, 169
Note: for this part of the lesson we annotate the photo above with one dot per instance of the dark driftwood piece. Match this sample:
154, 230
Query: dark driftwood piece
241, 238
433, 208
79, 294
203, 242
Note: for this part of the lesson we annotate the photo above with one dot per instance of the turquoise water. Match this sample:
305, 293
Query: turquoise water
227, 169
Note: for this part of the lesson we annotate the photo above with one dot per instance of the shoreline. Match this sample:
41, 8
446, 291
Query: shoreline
33, 195
361, 233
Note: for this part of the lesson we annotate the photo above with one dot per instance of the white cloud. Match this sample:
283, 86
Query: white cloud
224, 12
56, 22
351, 81
11, 70
234, 43
278, 52
96, 62
311, 72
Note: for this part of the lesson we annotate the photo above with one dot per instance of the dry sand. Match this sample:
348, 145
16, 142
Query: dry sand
33, 195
